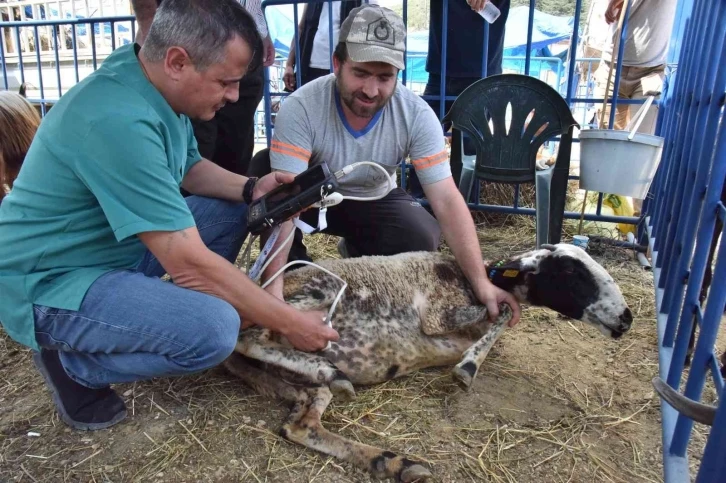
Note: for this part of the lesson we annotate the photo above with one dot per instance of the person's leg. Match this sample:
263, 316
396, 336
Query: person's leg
222, 226
432, 89
312, 73
206, 134
228, 139
496, 40
601, 80
394, 224
129, 327
626, 89
454, 87
237, 125
260, 164
133, 326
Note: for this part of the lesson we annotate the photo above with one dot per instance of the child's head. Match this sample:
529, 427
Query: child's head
18, 123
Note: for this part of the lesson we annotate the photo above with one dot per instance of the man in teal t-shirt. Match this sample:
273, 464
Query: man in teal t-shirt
95, 218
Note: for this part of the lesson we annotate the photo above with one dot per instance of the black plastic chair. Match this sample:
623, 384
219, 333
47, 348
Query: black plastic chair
506, 152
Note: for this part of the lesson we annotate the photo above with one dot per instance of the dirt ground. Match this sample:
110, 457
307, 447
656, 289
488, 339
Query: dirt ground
554, 402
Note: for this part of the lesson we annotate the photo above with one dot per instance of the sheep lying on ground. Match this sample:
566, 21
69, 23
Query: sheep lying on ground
403, 313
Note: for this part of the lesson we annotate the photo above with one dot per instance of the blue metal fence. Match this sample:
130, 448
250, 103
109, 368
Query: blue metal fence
113, 28
570, 88
682, 210
682, 218
112, 25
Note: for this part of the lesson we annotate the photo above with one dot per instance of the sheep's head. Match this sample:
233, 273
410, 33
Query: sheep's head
566, 279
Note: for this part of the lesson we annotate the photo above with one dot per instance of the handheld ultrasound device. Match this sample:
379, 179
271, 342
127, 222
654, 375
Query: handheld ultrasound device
282, 203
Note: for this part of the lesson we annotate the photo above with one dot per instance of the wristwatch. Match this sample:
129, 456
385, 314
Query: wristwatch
247, 190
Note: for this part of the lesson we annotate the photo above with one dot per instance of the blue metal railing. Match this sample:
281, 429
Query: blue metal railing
571, 82
88, 24
682, 220
682, 209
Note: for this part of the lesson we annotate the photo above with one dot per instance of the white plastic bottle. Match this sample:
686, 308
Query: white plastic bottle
490, 12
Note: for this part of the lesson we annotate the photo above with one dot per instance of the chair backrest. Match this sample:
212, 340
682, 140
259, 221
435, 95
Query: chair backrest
507, 151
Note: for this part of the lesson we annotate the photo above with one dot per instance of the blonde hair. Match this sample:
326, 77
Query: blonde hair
18, 122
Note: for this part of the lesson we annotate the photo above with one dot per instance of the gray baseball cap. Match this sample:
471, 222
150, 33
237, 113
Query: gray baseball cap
374, 34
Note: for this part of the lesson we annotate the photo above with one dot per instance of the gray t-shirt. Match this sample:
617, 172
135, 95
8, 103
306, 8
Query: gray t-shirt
649, 32
311, 128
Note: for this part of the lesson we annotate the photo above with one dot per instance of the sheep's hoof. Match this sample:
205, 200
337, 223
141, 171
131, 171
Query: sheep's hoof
415, 473
343, 389
464, 374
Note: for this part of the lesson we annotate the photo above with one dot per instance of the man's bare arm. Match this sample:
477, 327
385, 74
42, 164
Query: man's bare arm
276, 286
193, 266
208, 179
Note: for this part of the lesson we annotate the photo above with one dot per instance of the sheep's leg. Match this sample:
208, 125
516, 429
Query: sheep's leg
263, 382
316, 369
303, 425
309, 432
466, 370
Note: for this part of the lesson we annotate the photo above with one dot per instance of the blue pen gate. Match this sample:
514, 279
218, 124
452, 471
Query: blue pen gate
683, 216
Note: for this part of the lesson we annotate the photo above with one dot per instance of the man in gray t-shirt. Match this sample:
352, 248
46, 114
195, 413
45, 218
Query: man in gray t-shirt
361, 113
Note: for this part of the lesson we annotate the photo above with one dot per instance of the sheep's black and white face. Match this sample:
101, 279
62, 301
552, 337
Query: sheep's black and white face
566, 279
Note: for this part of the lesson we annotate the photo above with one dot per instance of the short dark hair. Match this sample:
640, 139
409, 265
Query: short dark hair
341, 52
202, 28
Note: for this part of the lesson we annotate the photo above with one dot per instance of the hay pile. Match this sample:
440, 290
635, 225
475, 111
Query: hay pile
555, 401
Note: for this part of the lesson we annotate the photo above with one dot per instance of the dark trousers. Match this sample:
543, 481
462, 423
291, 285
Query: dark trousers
311, 73
394, 224
228, 139
456, 85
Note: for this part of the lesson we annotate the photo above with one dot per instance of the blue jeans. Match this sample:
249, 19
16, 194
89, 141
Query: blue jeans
133, 326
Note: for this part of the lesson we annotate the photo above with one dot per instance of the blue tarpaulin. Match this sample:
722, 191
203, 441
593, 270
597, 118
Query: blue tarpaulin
547, 29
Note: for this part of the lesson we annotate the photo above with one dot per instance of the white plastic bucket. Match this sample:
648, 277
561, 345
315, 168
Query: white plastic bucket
619, 162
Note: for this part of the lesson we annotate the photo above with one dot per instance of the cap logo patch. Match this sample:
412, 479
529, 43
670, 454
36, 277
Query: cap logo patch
381, 31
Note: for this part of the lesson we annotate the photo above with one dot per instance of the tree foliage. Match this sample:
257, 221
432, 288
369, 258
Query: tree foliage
560, 8
417, 14
555, 7
418, 10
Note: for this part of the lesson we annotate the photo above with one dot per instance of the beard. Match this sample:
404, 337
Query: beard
360, 104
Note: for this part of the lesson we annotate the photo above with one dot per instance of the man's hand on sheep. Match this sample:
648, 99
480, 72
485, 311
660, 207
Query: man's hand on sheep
310, 333
491, 296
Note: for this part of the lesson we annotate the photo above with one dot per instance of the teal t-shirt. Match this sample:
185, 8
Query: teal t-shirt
105, 165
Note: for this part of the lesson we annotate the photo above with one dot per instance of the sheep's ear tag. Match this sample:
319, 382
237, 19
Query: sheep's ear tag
497, 268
